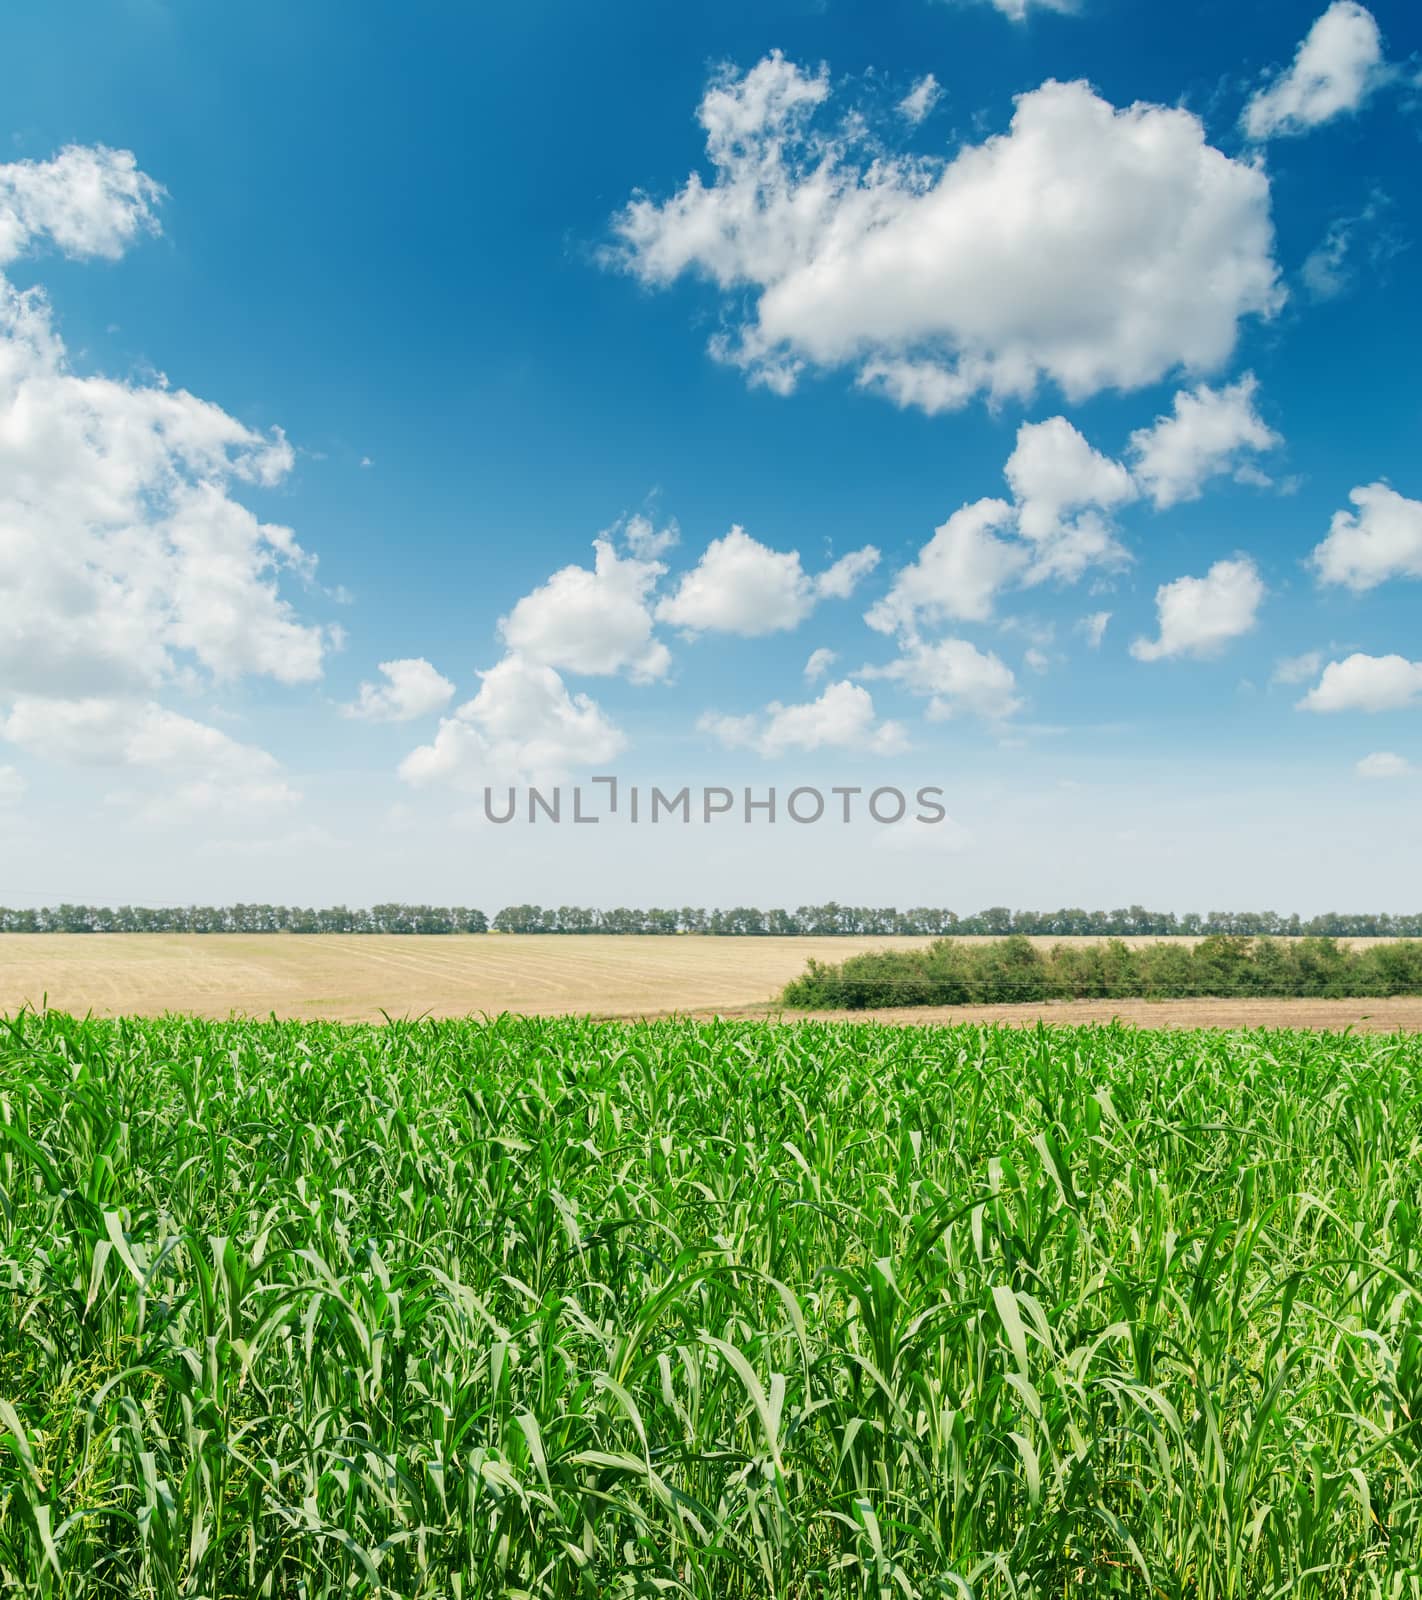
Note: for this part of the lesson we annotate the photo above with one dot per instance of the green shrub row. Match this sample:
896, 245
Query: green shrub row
951, 972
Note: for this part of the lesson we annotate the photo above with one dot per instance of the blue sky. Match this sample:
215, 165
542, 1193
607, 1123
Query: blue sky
404, 241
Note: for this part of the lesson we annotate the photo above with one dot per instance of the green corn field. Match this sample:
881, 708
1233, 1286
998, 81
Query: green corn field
560, 1308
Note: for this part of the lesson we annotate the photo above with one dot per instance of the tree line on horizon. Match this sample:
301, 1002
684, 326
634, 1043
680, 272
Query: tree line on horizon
735, 921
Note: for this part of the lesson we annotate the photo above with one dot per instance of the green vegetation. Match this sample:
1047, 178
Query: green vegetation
555, 1308
733, 921
948, 973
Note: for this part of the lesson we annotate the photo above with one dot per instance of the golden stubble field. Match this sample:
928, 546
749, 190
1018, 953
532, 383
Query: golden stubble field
358, 977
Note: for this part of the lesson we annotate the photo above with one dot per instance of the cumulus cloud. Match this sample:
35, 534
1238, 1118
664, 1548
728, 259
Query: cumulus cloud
522, 725
842, 718
12, 786
920, 100
1065, 492
1382, 539
744, 587
124, 559
957, 573
596, 621
1087, 246
1206, 434
820, 662
412, 689
194, 771
86, 201
1199, 616
1366, 683
1335, 69
955, 676
1057, 527
1384, 764
126, 562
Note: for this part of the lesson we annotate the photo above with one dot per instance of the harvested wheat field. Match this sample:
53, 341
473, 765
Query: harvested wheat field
358, 977
354, 977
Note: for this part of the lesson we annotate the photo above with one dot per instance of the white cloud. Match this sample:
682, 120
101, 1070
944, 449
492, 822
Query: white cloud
1053, 472
841, 719
1336, 68
1329, 270
124, 560
1058, 527
820, 662
1204, 436
1199, 616
1384, 764
920, 100
957, 573
648, 542
87, 201
744, 587
1382, 539
1093, 627
12, 786
955, 676
522, 725
1091, 247
191, 770
1297, 669
413, 689
1016, 10
1366, 683
839, 581
596, 621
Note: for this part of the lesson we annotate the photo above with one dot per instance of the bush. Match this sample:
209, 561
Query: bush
949, 972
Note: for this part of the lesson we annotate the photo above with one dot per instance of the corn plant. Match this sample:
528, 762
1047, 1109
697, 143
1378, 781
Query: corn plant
554, 1308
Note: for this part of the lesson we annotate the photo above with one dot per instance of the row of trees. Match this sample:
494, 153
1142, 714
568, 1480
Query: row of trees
242, 919
996, 921
1014, 969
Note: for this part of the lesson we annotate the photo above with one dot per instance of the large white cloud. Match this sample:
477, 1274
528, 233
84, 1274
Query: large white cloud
1206, 434
1199, 616
955, 676
1366, 683
522, 725
744, 587
127, 564
1382, 539
842, 718
412, 688
1336, 68
1089, 246
124, 558
596, 621
185, 769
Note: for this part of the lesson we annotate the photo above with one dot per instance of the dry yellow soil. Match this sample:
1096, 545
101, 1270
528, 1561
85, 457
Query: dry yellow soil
357, 977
